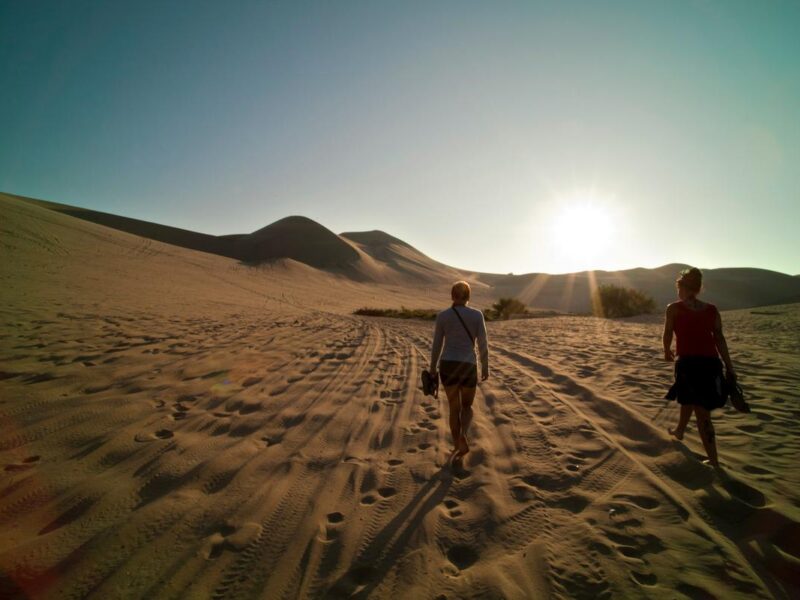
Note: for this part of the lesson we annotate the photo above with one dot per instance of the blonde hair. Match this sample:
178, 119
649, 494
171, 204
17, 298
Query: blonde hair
460, 291
691, 279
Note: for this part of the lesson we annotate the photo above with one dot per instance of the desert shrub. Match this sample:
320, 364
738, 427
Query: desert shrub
613, 301
504, 308
401, 313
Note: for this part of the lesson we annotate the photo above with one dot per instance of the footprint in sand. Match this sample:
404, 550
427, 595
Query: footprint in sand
601, 548
463, 557
453, 510
648, 579
387, 492
231, 538
754, 470
368, 499
645, 502
335, 517
749, 428
162, 434
523, 493
25, 464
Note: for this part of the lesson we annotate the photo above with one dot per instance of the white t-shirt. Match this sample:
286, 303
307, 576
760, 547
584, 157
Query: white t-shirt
457, 344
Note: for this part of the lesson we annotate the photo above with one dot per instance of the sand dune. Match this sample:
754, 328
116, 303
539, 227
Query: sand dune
298, 238
571, 292
377, 257
364, 256
404, 258
177, 424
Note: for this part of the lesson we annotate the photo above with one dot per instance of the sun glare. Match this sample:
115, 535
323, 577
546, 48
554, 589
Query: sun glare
583, 231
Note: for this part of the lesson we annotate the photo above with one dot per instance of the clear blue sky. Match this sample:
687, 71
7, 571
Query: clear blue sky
478, 132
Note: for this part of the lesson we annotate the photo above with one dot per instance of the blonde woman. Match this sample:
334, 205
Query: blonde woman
699, 382
456, 330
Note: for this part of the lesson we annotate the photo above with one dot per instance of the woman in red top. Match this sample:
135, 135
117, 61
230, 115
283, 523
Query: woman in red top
698, 372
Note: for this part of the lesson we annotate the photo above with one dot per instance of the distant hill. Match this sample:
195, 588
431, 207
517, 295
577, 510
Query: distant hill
294, 237
362, 256
380, 257
298, 238
727, 288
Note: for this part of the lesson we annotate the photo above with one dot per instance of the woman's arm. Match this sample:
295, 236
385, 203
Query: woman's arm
483, 346
438, 340
666, 338
722, 345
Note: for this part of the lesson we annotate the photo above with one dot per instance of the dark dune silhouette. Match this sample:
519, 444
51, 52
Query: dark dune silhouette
294, 237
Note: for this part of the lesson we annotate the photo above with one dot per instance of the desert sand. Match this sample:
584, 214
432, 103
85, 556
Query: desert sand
178, 424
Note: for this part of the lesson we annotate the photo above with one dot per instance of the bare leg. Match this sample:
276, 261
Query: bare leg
706, 430
455, 413
683, 420
467, 396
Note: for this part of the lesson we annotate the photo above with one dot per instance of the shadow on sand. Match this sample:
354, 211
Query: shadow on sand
380, 555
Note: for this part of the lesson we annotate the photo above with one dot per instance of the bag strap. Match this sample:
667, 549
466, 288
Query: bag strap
471, 339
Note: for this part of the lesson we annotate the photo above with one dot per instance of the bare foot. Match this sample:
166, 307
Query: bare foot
674, 433
463, 447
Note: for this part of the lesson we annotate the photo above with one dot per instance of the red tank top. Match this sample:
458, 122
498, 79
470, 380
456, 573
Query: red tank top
694, 330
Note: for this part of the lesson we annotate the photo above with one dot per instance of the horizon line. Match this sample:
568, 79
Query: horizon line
468, 271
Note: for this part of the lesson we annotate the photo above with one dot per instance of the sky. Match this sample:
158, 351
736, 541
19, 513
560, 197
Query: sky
493, 136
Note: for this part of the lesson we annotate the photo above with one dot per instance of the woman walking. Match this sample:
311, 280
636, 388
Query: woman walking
457, 328
699, 383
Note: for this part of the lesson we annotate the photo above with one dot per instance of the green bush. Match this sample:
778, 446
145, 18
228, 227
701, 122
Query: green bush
613, 301
401, 313
504, 308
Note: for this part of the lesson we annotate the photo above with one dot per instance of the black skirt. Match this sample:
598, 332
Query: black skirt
699, 381
454, 372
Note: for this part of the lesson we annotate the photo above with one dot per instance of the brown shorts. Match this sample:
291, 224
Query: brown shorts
454, 372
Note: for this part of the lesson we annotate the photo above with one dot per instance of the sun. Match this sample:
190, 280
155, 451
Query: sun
583, 230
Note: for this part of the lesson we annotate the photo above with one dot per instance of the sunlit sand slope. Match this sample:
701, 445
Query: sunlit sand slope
177, 425
363, 256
